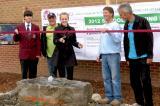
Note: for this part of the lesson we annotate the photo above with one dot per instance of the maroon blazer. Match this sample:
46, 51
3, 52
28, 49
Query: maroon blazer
29, 43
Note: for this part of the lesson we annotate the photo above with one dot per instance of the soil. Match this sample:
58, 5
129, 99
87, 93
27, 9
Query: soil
8, 81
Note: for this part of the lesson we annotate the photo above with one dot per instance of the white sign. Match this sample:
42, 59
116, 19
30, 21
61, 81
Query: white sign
91, 18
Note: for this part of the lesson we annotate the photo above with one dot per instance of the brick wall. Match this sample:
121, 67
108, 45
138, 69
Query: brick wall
87, 70
12, 9
12, 12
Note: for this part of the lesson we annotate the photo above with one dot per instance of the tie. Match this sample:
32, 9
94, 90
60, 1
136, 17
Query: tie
28, 28
28, 34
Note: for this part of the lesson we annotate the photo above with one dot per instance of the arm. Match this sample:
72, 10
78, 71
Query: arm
149, 41
126, 42
116, 36
99, 57
43, 42
126, 46
74, 40
38, 42
57, 37
16, 36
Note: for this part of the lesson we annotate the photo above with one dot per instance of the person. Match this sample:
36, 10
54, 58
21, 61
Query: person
138, 48
109, 53
47, 45
29, 45
64, 46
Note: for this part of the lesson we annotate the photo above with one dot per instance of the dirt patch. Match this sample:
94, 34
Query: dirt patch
8, 81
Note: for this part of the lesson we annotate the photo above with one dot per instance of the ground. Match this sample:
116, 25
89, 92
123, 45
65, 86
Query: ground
8, 82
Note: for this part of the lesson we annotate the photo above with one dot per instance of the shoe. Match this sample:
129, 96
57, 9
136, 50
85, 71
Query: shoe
50, 78
96, 97
103, 101
115, 102
135, 104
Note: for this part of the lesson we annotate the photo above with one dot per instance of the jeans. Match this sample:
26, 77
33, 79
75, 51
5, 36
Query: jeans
111, 75
141, 81
51, 67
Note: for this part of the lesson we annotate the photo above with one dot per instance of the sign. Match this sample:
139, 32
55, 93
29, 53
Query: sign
91, 18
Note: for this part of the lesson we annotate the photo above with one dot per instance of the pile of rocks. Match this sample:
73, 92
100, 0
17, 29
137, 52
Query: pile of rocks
58, 92
9, 98
40, 92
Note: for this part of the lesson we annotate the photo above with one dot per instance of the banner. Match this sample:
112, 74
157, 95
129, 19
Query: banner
91, 18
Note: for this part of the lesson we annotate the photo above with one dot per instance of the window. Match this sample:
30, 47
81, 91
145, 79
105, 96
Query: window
7, 39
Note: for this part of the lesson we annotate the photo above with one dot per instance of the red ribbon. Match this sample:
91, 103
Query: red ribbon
82, 31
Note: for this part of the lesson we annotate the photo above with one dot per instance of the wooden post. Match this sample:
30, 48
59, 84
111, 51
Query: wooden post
107, 2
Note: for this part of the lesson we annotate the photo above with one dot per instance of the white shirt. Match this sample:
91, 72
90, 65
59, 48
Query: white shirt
26, 25
110, 42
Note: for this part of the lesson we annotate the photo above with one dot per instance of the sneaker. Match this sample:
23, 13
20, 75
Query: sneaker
135, 104
96, 97
103, 101
50, 79
115, 102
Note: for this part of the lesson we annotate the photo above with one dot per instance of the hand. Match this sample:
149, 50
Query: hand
103, 30
62, 40
127, 62
38, 56
43, 57
98, 59
149, 61
16, 31
80, 45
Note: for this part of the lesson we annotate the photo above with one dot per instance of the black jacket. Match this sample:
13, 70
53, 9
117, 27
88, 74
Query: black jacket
143, 40
65, 51
44, 43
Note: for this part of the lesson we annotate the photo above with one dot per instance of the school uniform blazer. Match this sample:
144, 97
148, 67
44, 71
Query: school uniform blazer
29, 43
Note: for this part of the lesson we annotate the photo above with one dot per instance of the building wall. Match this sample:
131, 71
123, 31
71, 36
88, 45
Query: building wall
12, 12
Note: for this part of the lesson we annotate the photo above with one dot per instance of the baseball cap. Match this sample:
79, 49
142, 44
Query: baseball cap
51, 15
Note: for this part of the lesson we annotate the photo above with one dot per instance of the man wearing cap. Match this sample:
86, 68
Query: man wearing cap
47, 46
29, 45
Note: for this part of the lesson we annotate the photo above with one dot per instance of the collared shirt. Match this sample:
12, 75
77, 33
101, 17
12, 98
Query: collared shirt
110, 42
50, 44
132, 49
26, 25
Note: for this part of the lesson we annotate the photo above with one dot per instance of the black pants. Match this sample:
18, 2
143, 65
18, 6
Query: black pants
29, 66
69, 72
141, 81
66, 71
61, 71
